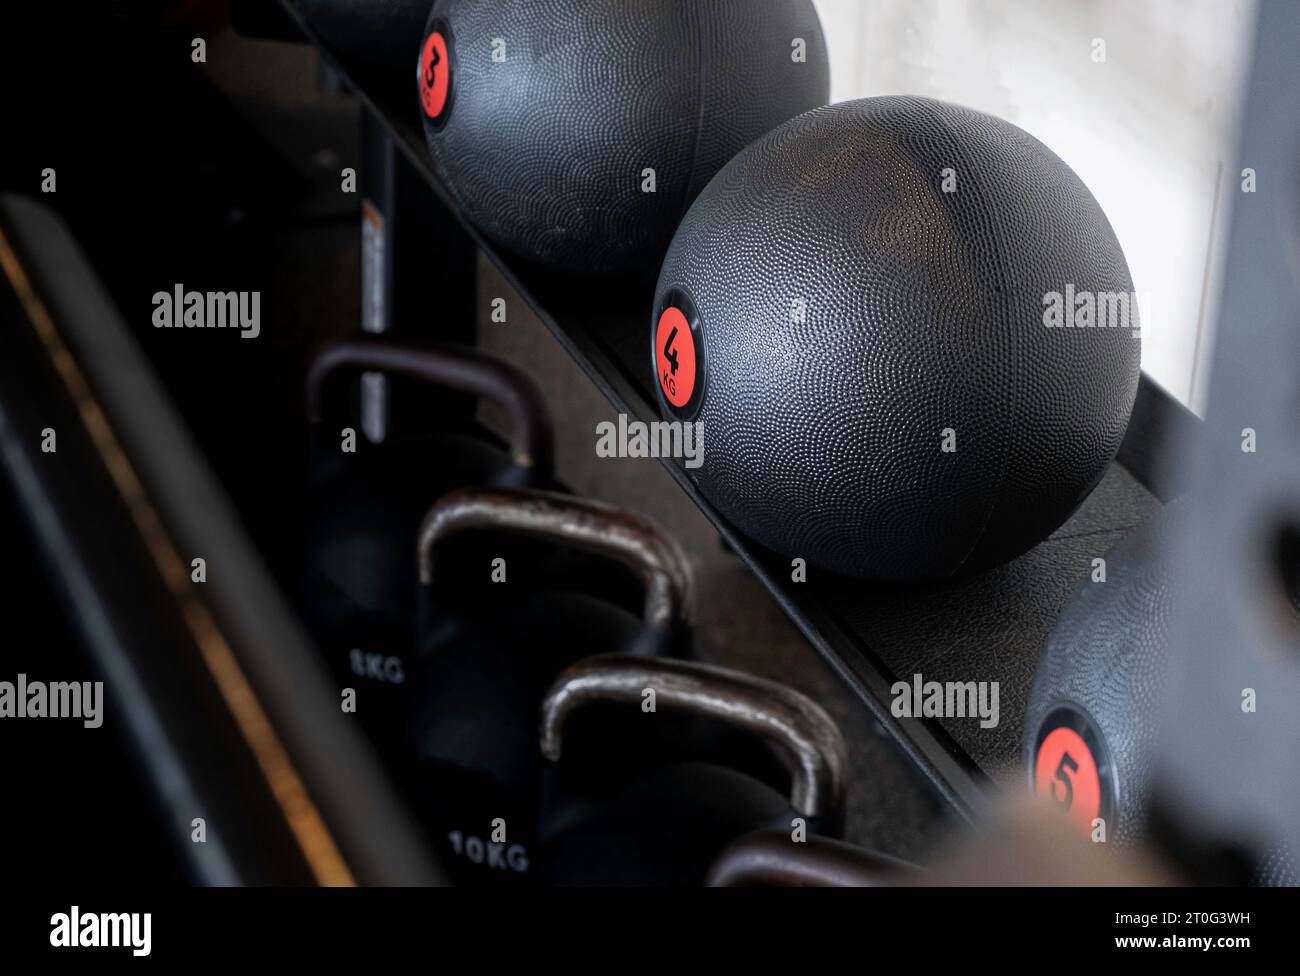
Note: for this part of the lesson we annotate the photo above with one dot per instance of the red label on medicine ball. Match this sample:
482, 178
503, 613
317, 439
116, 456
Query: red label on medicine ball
675, 355
1066, 772
435, 75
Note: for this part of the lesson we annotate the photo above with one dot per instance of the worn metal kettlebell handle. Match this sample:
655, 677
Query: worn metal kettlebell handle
580, 523
532, 442
770, 857
804, 736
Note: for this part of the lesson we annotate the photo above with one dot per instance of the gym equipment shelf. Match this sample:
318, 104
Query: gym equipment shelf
991, 626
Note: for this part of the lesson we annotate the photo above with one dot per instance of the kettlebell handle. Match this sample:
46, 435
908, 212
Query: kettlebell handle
532, 442
804, 736
577, 522
770, 857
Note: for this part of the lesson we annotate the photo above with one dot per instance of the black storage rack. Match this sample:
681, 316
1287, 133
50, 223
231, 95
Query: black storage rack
869, 633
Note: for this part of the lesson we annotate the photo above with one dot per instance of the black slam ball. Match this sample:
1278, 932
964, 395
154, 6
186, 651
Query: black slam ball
1091, 729
577, 132
1093, 739
888, 316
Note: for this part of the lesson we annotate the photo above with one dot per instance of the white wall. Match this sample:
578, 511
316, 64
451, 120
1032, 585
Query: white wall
1150, 131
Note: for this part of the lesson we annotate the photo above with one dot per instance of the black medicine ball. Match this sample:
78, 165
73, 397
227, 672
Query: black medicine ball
577, 132
1092, 736
880, 314
1092, 723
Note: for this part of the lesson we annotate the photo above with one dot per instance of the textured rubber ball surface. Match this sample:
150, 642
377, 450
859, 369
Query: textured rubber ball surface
851, 311
559, 106
1107, 659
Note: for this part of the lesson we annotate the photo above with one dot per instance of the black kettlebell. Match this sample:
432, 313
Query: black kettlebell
771, 858
359, 587
608, 821
530, 457
487, 652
